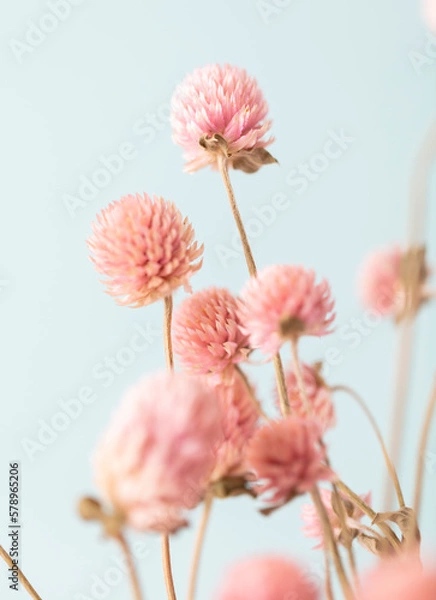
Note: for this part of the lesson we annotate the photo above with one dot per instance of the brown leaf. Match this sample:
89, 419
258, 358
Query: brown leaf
250, 161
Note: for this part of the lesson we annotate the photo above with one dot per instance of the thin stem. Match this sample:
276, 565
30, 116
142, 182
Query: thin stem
26, 583
166, 561
373, 422
199, 545
251, 393
168, 314
331, 543
398, 411
249, 259
328, 577
367, 510
431, 407
281, 385
131, 567
352, 561
299, 375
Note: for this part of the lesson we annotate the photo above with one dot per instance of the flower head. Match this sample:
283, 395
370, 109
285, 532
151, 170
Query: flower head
220, 108
401, 578
282, 302
240, 418
267, 578
145, 249
287, 458
155, 459
313, 526
206, 332
318, 394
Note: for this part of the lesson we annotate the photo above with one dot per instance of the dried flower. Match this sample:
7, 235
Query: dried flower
267, 578
240, 417
313, 527
401, 578
206, 332
287, 458
221, 108
318, 394
155, 459
283, 302
145, 248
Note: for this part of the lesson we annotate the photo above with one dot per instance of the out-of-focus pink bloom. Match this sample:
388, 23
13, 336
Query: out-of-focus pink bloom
401, 578
287, 459
155, 459
282, 302
145, 249
429, 7
267, 578
380, 283
206, 332
240, 417
318, 394
313, 526
221, 100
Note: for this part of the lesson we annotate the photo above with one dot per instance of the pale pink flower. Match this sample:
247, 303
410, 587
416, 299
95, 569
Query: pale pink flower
287, 459
145, 249
380, 283
267, 577
400, 578
155, 459
282, 302
313, 526
318, 394
218, 100
240, 417
206, 332
429, 8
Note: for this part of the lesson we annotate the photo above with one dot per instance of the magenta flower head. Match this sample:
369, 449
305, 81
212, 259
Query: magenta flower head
145, 248
318, 394
206, 332
283, 302
313, 527
156, 458
287, 459
267, 578
401, 578
221, 109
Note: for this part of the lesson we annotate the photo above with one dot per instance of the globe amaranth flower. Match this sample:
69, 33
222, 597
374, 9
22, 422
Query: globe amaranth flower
221, 109
400, 578
145, 248
267, 577
318, 394
283, 302
392, 280
287, 459
207, 337
156, 457
313, 527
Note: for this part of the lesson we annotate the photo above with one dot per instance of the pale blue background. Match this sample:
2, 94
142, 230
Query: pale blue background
84, 91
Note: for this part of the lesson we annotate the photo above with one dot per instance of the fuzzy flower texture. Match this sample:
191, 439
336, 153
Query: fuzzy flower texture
145, 249
218, 100
155, 460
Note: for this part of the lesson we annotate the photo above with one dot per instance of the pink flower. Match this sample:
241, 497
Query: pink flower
282, 302
240, 417
206, 332
267, 578
155, 459
319, 396
429, 8
218, 100
145, 248
287, 458
380, 283
313, 527
401, 578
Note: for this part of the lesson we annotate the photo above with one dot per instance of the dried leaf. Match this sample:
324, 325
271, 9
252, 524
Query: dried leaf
250, 161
